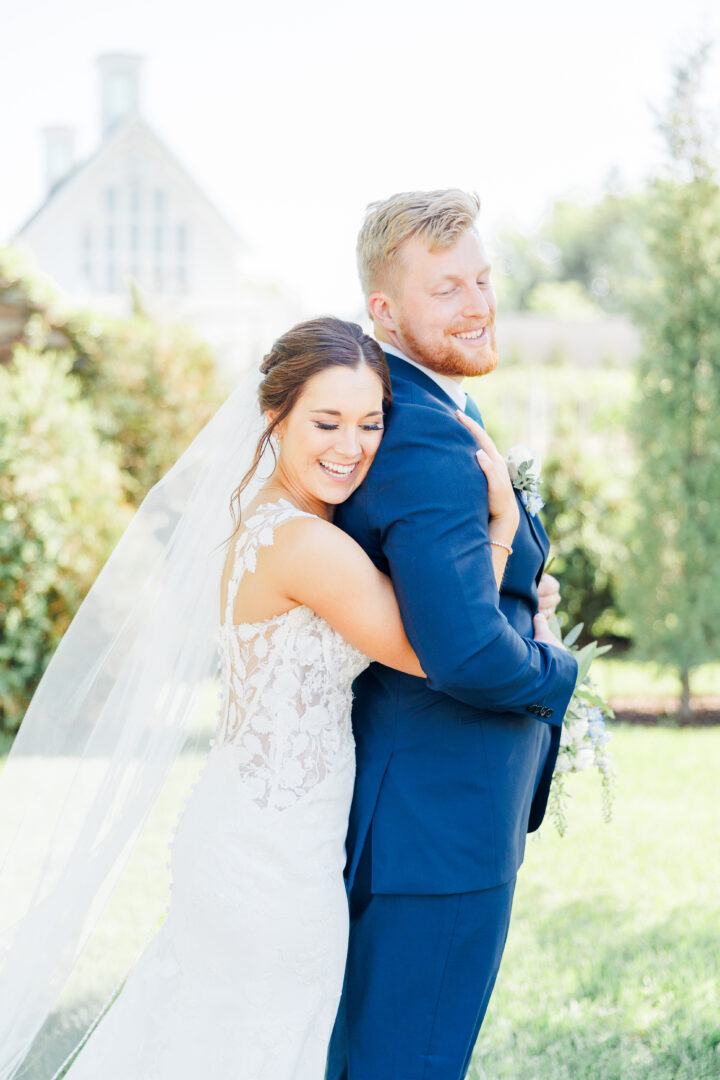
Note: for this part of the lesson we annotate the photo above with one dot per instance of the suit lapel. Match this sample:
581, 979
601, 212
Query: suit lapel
536, 528
403, 372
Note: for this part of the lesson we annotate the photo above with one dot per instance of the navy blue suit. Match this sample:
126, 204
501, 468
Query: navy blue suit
452, 771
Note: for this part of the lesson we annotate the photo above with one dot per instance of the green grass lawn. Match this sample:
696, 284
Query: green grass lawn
627, 678
612, 968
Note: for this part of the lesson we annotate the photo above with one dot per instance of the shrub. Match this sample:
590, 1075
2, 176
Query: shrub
63, 505
152, 388
93, 412
583, 516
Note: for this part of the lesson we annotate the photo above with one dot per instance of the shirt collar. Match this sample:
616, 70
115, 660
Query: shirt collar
452, 388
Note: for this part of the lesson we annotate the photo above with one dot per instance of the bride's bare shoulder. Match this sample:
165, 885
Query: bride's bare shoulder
310, 535
308, 541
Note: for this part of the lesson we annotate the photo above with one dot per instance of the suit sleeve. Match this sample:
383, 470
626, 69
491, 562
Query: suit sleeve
429, 502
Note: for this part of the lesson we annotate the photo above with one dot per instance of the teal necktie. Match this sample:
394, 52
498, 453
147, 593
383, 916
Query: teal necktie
472, 411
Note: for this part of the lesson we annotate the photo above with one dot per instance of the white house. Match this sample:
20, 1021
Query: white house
131, 214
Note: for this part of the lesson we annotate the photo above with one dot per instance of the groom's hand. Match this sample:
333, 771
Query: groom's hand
548, 594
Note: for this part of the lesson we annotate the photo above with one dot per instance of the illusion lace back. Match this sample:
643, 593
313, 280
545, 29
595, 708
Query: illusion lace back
244, 977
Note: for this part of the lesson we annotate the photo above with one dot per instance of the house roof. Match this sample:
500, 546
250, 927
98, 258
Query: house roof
118, 134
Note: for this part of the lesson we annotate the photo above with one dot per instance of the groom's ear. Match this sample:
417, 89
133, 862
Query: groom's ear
379, 306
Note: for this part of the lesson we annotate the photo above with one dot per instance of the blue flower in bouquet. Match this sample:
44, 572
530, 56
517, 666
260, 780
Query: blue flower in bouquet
597, 728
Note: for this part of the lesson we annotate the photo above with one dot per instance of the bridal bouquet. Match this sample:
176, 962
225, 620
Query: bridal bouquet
584, 738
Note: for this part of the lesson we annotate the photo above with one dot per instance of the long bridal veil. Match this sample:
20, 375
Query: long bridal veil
106, 753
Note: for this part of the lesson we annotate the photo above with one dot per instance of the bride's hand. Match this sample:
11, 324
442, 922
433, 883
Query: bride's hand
542, 631
504, 512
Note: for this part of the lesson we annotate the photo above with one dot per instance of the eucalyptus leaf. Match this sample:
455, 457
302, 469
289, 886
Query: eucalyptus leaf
584, 659
572, 635
592, 698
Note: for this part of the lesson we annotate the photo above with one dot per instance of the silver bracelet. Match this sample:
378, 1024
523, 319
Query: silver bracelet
505, 547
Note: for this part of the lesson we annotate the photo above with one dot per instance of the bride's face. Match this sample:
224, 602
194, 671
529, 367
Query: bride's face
329, 439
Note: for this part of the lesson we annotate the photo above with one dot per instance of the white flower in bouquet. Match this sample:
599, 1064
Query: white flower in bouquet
578, 728
583, 758
584, 734
524, 466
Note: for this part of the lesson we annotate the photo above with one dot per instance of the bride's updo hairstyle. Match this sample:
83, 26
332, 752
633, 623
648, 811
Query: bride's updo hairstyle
305, 351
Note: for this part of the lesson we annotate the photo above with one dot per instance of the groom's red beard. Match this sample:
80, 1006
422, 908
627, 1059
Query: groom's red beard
448, 357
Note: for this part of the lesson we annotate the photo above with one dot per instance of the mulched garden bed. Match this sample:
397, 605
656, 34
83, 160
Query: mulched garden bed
652, 711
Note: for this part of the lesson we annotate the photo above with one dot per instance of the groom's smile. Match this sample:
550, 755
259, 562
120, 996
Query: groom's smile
476, 336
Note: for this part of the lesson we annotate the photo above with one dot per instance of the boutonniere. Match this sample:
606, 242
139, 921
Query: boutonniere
524, 467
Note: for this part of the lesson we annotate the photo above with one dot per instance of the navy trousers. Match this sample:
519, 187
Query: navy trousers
419, 977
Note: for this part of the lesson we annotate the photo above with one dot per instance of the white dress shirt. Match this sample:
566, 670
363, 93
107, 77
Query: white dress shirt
450, 386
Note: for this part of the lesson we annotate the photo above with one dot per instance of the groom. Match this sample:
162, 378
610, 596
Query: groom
452, 772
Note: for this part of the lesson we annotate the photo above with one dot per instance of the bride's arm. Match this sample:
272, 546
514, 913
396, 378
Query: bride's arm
319, 565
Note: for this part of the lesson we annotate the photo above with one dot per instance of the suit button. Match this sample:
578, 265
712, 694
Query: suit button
547, 712
533, 708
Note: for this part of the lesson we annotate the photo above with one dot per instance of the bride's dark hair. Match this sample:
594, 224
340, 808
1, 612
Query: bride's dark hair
304, 351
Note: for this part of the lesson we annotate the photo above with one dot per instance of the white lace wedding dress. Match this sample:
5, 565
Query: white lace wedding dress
243, 979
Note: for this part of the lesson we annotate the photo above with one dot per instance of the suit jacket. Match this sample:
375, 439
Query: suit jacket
454, 770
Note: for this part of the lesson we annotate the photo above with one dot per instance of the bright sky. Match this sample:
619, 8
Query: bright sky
292, 116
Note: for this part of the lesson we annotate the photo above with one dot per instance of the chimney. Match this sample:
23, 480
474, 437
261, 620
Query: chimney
119, 89
59, 153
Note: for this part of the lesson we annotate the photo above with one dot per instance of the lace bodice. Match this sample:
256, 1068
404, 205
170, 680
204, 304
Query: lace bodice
286, 684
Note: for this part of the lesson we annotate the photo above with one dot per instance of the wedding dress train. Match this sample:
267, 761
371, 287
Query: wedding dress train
243, 979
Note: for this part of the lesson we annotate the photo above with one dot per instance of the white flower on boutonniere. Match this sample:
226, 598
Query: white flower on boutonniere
524, 466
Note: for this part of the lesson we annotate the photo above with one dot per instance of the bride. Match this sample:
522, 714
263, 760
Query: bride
244, 976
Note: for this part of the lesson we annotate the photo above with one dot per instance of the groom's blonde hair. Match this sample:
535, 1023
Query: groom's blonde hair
439, 217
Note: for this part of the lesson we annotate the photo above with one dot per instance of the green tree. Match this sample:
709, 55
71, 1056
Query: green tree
584, 257
674, 579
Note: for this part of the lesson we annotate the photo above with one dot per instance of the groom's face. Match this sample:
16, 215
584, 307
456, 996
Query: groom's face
442, 306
